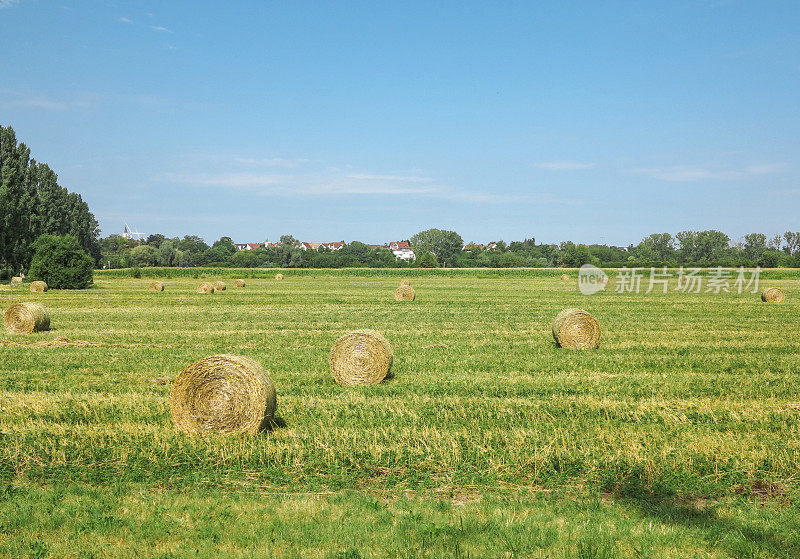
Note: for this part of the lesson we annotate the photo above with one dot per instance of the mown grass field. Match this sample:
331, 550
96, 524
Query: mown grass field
679, 437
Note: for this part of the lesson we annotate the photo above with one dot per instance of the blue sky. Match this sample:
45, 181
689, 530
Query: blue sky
583, 121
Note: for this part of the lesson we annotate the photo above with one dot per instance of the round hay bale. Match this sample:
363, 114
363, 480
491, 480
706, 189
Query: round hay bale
27, 318
238, 283
360, 358
576, 329
564, 277
773, 295
205, 287
278, 277
156, 286
405, 293
219, 286
223, 393
16, 279
405, 281
38, 287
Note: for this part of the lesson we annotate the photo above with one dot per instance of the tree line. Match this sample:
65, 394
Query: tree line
438, 248
33, 204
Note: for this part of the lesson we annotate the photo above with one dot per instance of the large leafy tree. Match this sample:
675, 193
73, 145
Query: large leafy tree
444, 245
33, 204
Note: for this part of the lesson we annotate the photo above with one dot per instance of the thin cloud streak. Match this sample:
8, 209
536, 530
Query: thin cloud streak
357, 184
682, 173
160, 29
564, 165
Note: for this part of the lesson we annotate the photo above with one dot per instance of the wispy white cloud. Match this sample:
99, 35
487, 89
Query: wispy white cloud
314, 184
683, 173
270, 162
8, 3
19, 100
389, 178
564, 165
125, 20
160, 29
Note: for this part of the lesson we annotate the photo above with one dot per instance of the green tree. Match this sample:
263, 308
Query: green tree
226, 244
143, 255
61, 262
792, 242
427, 260
444, 245
754, 246
33, 204
658, 246
703, 246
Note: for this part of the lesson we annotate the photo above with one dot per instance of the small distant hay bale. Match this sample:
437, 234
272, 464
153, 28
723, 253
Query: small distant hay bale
38, 287
405, 293
405, 281
223, 393
16, 279
576, 329
27, 318
156, 286
773, 295
238, 283
219, 286
205, 287
564, 277
278, 277
361, 358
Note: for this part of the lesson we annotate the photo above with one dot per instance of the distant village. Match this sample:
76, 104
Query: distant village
401, 249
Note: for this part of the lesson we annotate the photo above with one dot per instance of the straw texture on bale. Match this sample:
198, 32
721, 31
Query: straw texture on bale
27, 318
238, 283
156, 286
205, 287
576, 329
405, 293
773, 295
223, 393
219, 286
564, 277
405, 281
38, 287
16, 279
278, 276
360, 358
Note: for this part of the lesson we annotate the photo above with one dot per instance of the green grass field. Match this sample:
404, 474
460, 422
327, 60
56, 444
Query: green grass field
679, 437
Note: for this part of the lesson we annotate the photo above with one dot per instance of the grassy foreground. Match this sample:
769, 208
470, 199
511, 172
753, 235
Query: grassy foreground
679, 437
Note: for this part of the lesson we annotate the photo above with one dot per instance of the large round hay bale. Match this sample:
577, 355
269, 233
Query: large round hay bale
773, 295
219, 286
360, 358
564, 277
576, 329
205, 287
26, 318
16, 279
238, 283
405, 293
405, 281
156, 286
223, 393
38, 287
278, 277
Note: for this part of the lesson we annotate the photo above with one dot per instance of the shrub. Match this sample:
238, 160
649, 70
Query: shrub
427, 260
61, 262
